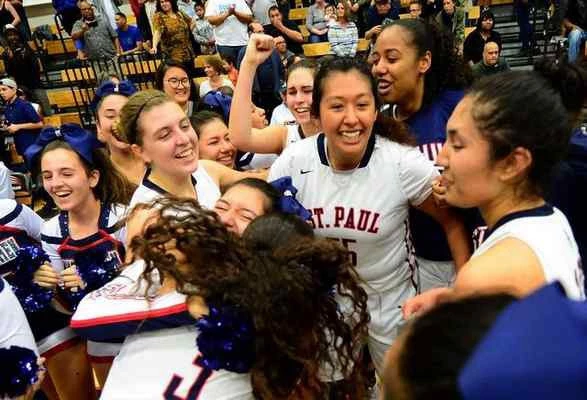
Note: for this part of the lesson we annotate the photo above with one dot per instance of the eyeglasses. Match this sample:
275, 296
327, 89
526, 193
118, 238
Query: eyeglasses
175, 82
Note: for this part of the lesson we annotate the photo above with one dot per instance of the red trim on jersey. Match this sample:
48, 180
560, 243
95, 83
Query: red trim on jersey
61, 347
106, 237
4, 228
101, 359
139, 315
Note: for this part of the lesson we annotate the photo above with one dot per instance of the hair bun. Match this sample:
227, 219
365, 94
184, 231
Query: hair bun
569, 80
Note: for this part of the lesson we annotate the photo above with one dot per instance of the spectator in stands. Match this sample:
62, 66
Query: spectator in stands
330, 14
260, 9
8, 15
229, 66
68, 12
24, 123
343, 34
215, 79
415, 9
230, 19
491, 62
172, 32
288, 30
476, 40
575, 23
203, 31
522, 9
129, 36
23, 65
187, 7
172, 78
317, 23
281, 47
379, 12
107, 9
145, 20
100, 40
452, 19
23, 27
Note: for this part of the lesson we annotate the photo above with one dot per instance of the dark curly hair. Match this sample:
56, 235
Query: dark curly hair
288, 293
448, 70
384, 126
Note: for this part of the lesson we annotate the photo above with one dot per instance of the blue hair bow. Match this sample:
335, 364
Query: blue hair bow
80, 140
288, 202
124, 88
218, 102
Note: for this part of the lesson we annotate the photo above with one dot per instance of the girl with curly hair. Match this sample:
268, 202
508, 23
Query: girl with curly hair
420, 78
266, 313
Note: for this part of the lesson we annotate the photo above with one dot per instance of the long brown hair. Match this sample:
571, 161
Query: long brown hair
289, 293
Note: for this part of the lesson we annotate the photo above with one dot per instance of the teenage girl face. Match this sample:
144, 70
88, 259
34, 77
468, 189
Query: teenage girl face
176, 84
169, 143
107, 115
165, 5
396, 65
214, 143
298, 95
340, 11
470, 177
66, 180
239, 206
347, 114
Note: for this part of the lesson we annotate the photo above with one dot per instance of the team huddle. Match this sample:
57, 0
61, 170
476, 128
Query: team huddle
198, 281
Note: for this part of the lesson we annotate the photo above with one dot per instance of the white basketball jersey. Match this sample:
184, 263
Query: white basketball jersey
206, 189
366, 210
160, 348
547, 232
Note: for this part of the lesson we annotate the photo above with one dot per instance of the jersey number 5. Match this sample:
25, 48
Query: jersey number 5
196, 387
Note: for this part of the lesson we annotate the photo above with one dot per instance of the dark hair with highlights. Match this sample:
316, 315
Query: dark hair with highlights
447, 69
112, 187
532, 110
286, 291
384, 126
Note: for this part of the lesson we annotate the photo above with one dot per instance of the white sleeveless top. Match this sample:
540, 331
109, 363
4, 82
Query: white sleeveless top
547, 232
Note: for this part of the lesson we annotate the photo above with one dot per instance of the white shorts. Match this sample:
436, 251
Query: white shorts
435, 274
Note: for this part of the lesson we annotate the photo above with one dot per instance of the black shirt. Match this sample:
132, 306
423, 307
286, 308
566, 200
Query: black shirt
577, 13
474, 43
292, 45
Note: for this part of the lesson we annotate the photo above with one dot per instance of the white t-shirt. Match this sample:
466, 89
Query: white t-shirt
205, 86
366, 210
160, 350
206, 189
231, 32
547, 232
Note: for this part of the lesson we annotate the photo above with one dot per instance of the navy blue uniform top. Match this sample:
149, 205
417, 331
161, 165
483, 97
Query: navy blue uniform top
429, 127
21, 112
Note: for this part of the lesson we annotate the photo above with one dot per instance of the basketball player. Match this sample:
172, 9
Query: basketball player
359, 179
499, 157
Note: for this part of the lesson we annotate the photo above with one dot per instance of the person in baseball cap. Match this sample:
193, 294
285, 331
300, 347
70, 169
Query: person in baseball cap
491, 348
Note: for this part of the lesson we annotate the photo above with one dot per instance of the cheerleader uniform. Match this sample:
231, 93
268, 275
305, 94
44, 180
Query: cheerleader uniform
105, 248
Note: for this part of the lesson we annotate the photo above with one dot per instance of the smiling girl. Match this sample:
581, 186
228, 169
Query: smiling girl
358, 179
161, 134
109, 99
298, 98
172, 78
213, 138
84, 243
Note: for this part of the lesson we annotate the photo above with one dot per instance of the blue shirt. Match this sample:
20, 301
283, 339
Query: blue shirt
128, 39
21, 112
